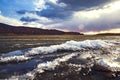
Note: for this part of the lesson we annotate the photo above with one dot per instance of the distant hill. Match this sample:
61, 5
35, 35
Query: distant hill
21, 30
109, 34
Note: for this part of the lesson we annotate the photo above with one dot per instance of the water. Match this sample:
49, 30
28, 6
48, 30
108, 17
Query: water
46, 54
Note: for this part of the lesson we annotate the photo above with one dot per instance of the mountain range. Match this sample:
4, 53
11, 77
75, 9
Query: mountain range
108, 34
22, 30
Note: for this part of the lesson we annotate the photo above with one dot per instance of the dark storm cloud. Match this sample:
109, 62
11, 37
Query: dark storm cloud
82, 4
55, 14
21, 12
28, 19
77, 15
100, 26
55, 11
74, 15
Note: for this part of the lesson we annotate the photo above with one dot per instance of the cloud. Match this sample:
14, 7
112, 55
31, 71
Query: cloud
10, 21
100, 19
15, 22
44, 4
48, 9
73, 15
28, 19
33, 17
82, 21
34, 24
61, 8
40, 5
76, 5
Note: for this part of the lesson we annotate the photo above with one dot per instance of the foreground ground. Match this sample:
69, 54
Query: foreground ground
12, 43
63, 57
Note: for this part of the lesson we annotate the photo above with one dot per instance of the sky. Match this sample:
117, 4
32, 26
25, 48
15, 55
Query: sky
86, 16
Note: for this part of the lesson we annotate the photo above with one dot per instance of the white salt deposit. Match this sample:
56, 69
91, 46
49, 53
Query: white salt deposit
71, 45
45, 66
53, 64
106, 63
106, 60
14, 58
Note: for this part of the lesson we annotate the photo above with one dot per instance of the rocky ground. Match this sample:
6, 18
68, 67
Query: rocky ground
74, 72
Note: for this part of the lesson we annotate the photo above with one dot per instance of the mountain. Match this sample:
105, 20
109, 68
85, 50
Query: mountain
109, 34
21, 30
